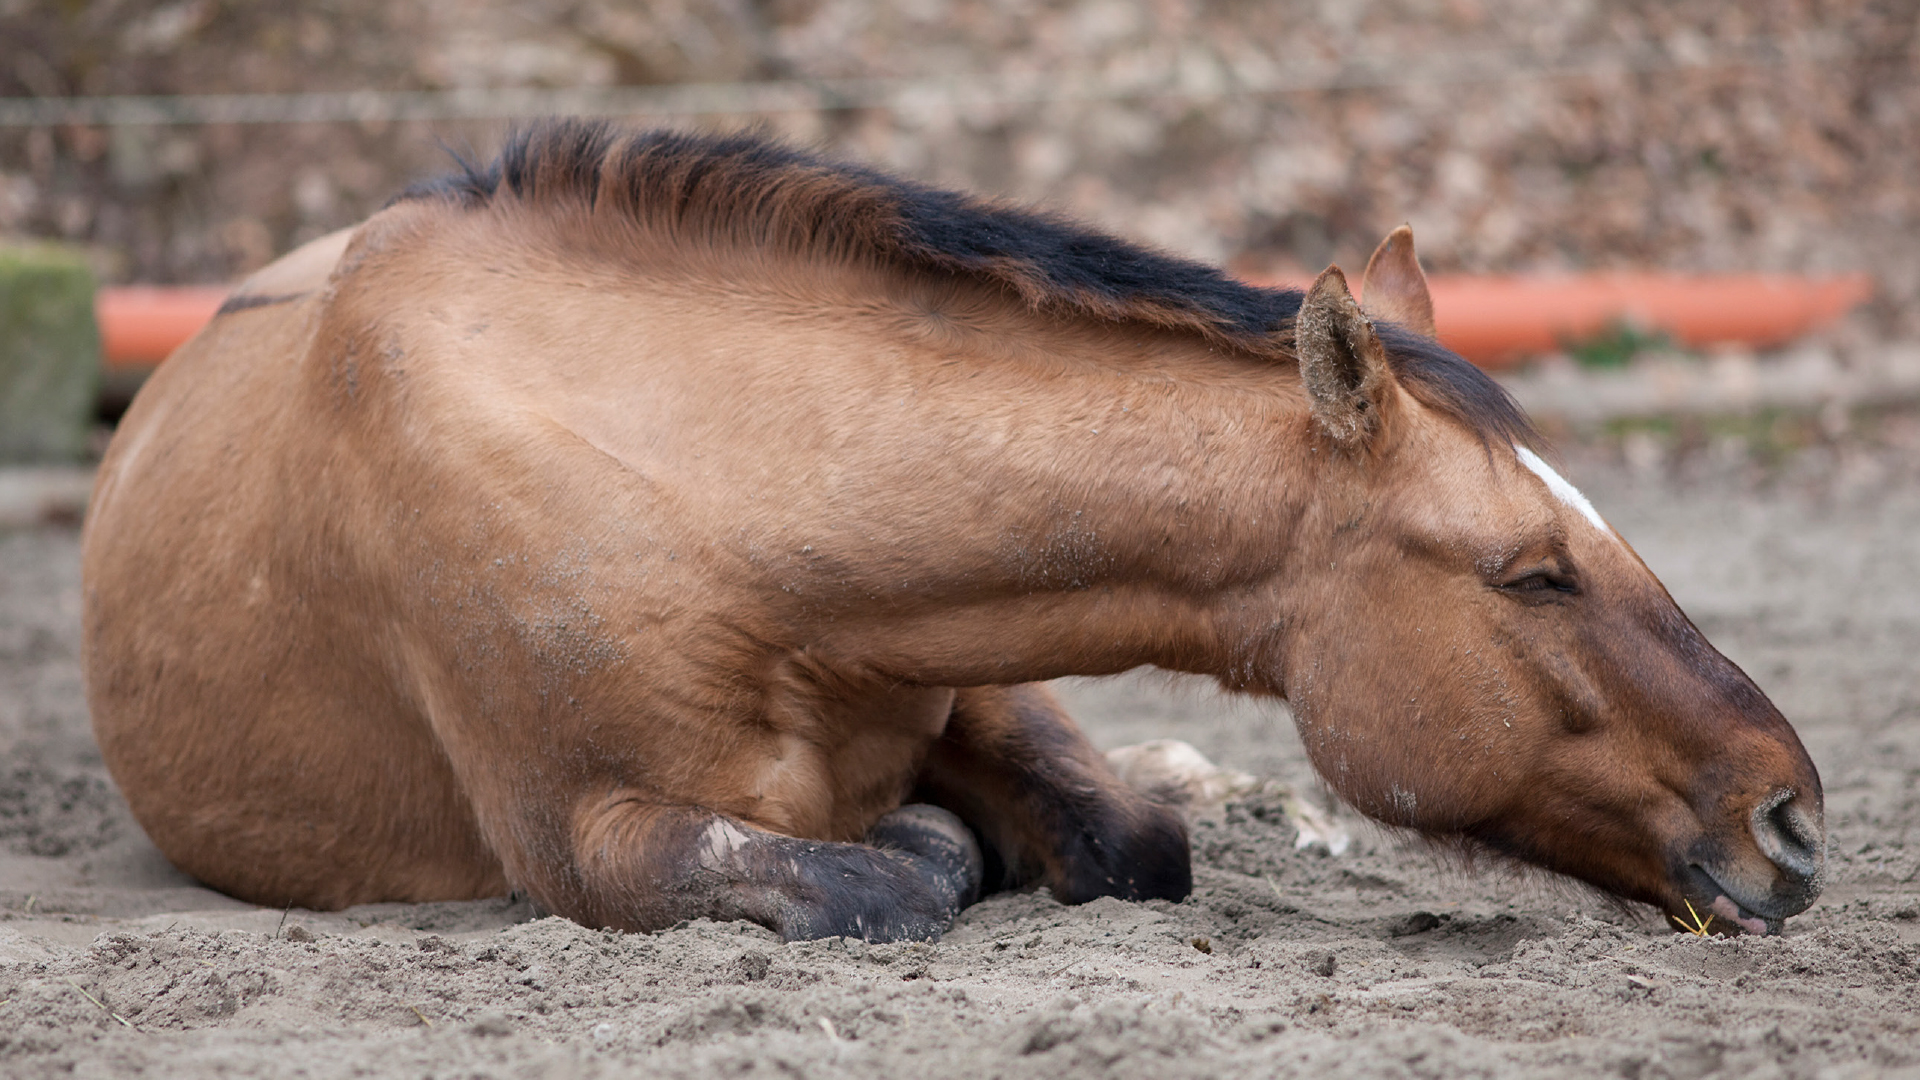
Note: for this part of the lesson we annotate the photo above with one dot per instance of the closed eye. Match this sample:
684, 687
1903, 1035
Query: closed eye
1542, 583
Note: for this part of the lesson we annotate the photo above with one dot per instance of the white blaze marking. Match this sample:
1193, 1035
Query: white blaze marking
1562, 490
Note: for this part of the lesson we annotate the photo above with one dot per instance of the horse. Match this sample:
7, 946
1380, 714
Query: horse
669, 525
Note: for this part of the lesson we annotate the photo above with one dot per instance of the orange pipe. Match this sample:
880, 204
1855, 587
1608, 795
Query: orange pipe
1493, 321
1498, 321
140, 325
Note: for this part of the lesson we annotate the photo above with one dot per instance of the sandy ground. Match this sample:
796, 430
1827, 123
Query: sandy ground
1380, 962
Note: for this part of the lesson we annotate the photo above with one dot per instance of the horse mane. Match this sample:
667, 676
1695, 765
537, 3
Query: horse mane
768, 194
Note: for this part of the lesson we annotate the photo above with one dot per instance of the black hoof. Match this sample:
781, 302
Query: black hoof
941, 849
1142, 855
918, 868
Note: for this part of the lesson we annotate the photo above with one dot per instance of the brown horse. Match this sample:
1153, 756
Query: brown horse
641, 521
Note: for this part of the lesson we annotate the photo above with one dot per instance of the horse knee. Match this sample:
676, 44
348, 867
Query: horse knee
1134, 852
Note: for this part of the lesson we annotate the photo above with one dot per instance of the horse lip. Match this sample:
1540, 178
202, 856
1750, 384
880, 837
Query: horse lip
1705, 904
1769, 909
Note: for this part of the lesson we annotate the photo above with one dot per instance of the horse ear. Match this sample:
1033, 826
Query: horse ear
1393, 288
1342, 362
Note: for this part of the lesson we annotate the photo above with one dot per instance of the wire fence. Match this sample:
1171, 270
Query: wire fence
1190, 79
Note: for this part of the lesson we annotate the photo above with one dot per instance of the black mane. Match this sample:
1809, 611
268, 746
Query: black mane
777, 195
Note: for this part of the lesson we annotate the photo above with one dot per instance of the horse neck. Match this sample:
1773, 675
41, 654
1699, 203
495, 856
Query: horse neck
969, 492
1066, 499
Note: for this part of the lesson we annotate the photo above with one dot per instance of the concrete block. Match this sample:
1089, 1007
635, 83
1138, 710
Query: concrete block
49, 353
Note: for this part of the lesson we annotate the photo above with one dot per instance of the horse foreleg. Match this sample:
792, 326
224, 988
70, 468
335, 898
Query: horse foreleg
641, 866
1012, 764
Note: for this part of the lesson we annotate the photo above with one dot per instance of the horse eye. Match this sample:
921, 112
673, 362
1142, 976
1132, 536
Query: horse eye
1541, 582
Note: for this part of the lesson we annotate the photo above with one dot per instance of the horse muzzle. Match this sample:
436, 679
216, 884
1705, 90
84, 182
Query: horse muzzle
1758, 897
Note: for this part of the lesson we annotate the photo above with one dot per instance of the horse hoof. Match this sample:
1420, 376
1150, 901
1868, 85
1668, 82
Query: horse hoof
947, 854
1134, 853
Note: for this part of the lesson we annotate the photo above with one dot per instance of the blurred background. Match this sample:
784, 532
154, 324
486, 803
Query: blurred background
1515, 135
190, 142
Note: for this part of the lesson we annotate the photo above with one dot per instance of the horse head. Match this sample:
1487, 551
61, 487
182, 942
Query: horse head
1480, 657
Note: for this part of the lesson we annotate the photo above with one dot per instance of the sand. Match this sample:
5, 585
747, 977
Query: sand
1380, 962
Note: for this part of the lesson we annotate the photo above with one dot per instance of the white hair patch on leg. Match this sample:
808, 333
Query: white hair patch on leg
1562, 490
720, 843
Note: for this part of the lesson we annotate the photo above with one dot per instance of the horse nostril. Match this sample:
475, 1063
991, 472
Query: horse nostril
1788, 836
